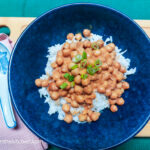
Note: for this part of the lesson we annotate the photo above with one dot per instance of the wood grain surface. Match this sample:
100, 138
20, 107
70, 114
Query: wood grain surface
18, 24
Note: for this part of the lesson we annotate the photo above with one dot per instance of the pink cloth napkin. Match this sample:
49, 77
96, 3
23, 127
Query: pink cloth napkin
19, 138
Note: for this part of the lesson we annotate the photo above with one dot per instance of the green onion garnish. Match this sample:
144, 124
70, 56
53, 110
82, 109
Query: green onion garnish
84, 55
83, 63
72, 84
94, 46
77, 58
98, 62
66, 75
92, 70
74, 67
84, 76
70, 78
64, 85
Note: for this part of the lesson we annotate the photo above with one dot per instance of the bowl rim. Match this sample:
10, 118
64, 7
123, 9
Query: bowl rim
22, 34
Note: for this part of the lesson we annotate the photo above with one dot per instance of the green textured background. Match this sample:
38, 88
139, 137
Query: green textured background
136, 9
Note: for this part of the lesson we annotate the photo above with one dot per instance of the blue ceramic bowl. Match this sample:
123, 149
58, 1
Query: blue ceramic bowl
28, 61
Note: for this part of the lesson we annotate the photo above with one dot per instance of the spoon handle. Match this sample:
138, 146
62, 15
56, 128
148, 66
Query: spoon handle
5, 103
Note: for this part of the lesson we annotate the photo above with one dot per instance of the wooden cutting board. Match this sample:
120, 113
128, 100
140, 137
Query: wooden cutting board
18, 24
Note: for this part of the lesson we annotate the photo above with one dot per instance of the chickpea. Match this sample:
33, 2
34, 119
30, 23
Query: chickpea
103, 60
90, 112
104, 66
120, 101
94, 77
119, 85
113, 108
68, 100
95, 116
70, 36
114, 95
79, 44
92, 96
118, 91
68, 118
66, 108
62, 93
88, 119
54, 65
100, 43
80, 50
117, 65
109, 62
125, 85
85, 82
73, 46
71, 91
75, 72
112, 84
74, 104
59, 53
45, 83
52, 86
64, 68
82, 117
106, 75
119, 76
56, 75
101, 89
109, 48
105, 84
59, 82
66, 45
66, 52
88, 101
87, 44
90, 61
68, 86
78, 36
112, 102
122, 69
78, 89
38, 82
112, 45
59, 60
73, 96
97, 53
108, 92
79, 98
86, 32
113, 55
73, 54
83, 71
77, 79
70, 65
54, 95
88, 89
110, 69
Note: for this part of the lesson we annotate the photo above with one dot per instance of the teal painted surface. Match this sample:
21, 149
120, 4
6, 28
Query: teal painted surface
136, 9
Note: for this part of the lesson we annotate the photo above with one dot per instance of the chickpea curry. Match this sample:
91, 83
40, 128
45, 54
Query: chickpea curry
82, 68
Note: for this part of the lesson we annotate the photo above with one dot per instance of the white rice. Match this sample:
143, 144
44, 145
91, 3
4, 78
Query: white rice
100, 102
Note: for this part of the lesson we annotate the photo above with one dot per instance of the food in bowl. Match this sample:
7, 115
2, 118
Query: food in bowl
84, 76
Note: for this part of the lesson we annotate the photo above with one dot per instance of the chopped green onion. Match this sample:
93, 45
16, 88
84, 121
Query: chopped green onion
94, 46
84, 76
74, 67
64, 85
66, 75
84, 55
98, 62
77, 58
83, 63
72, 84
70, 78
92, 70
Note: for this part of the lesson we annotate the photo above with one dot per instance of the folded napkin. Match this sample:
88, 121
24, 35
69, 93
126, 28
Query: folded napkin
19, 138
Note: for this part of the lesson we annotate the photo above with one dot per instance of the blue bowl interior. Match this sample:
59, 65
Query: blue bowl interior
29, 60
